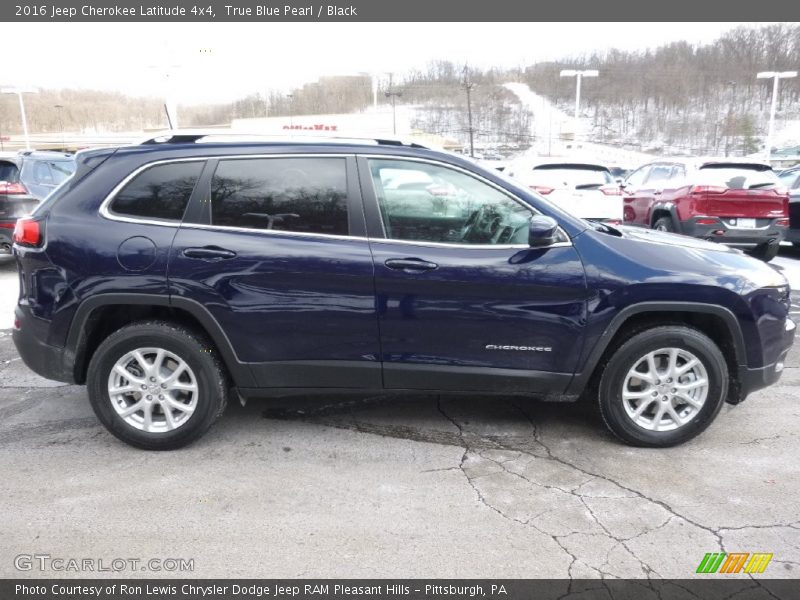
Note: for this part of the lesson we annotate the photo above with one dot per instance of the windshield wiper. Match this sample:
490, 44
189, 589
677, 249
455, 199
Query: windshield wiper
760, 185
588, 186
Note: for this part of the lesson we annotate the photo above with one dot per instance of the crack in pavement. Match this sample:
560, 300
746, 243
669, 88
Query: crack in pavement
477, 446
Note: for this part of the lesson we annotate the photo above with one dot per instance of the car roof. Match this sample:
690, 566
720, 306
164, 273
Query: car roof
698, 162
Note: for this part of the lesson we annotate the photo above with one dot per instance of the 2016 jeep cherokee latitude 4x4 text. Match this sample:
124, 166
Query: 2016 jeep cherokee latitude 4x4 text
169, 275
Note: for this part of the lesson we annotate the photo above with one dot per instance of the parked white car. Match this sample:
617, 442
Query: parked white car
586, 190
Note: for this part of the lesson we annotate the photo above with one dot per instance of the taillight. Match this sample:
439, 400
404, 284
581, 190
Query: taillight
7, 225
708, 189
7, 189
613, 221
782, 222
28, 232
543, 190
611, 190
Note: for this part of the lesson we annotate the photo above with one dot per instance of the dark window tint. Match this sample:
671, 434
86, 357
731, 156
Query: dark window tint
8, 171
160, 192
307, 195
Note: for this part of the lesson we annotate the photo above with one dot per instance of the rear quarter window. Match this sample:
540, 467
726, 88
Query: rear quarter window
159, 192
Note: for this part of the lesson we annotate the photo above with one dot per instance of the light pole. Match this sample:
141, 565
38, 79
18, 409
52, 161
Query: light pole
19, 92
775, 76
468, 85
578, 75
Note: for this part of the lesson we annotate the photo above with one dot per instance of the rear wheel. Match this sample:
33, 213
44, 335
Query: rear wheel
663, 387
765, 252
664, 224
156, 385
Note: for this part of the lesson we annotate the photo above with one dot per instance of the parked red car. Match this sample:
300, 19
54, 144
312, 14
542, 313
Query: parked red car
740, 203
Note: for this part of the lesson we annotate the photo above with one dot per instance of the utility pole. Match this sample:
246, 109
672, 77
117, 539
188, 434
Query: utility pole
468, 85
776, 76
291, 110
391, 93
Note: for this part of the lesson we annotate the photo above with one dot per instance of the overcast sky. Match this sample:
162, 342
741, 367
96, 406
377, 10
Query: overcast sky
223, 61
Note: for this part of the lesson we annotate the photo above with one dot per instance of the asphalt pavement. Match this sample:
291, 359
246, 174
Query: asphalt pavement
395, 486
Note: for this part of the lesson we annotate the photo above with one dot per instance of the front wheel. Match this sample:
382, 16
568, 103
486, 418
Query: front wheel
156, 385
663, 387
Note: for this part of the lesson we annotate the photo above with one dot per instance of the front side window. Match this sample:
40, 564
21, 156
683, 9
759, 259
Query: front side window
659, 175
159, 192
430, 203
305, 195
636, 179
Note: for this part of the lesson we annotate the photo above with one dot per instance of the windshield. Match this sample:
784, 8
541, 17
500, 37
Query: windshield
564, 177
742, 177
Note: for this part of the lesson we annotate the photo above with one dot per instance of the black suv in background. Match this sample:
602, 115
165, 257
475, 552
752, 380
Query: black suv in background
167, 274
26, 178
791, 179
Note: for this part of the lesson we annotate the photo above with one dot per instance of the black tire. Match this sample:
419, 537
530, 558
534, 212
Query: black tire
664, 224
193, 348
631, 352
765, 252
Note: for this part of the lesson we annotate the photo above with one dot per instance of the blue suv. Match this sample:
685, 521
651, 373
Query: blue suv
172, 275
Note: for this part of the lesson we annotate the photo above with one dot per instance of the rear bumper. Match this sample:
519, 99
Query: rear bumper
734, 236
39, 356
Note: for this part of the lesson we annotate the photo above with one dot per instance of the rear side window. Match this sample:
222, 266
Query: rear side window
160, 192
304, 195
737, 177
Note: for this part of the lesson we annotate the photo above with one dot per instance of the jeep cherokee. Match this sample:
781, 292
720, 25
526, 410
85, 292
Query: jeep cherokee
169, 275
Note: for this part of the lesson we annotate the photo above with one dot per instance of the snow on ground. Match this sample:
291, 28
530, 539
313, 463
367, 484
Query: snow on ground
550, 124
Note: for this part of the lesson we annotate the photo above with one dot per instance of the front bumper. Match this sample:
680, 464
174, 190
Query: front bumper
40, 357
751, 380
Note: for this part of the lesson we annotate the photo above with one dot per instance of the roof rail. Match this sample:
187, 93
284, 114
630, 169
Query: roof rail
191, 136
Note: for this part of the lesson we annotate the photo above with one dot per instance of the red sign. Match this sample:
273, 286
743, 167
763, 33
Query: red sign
313, 127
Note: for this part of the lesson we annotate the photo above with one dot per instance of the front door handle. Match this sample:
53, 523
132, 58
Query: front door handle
210, 253
410, 264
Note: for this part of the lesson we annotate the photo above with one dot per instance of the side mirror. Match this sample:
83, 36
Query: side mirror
542, 231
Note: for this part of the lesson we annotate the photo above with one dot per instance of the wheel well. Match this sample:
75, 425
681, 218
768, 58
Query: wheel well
105, 320
712, 325
658, 213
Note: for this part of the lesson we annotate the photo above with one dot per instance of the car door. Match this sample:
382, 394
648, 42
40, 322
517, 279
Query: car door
274, 249
463, 302
635, 197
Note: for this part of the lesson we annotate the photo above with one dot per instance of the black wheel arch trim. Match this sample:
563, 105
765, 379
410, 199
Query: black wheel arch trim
581, 379
668, 207
77, 338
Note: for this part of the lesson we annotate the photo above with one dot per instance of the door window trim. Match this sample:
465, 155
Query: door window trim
370, 195
352, 203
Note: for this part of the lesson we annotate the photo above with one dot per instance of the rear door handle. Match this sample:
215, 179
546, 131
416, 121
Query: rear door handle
210, 253
410, 264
